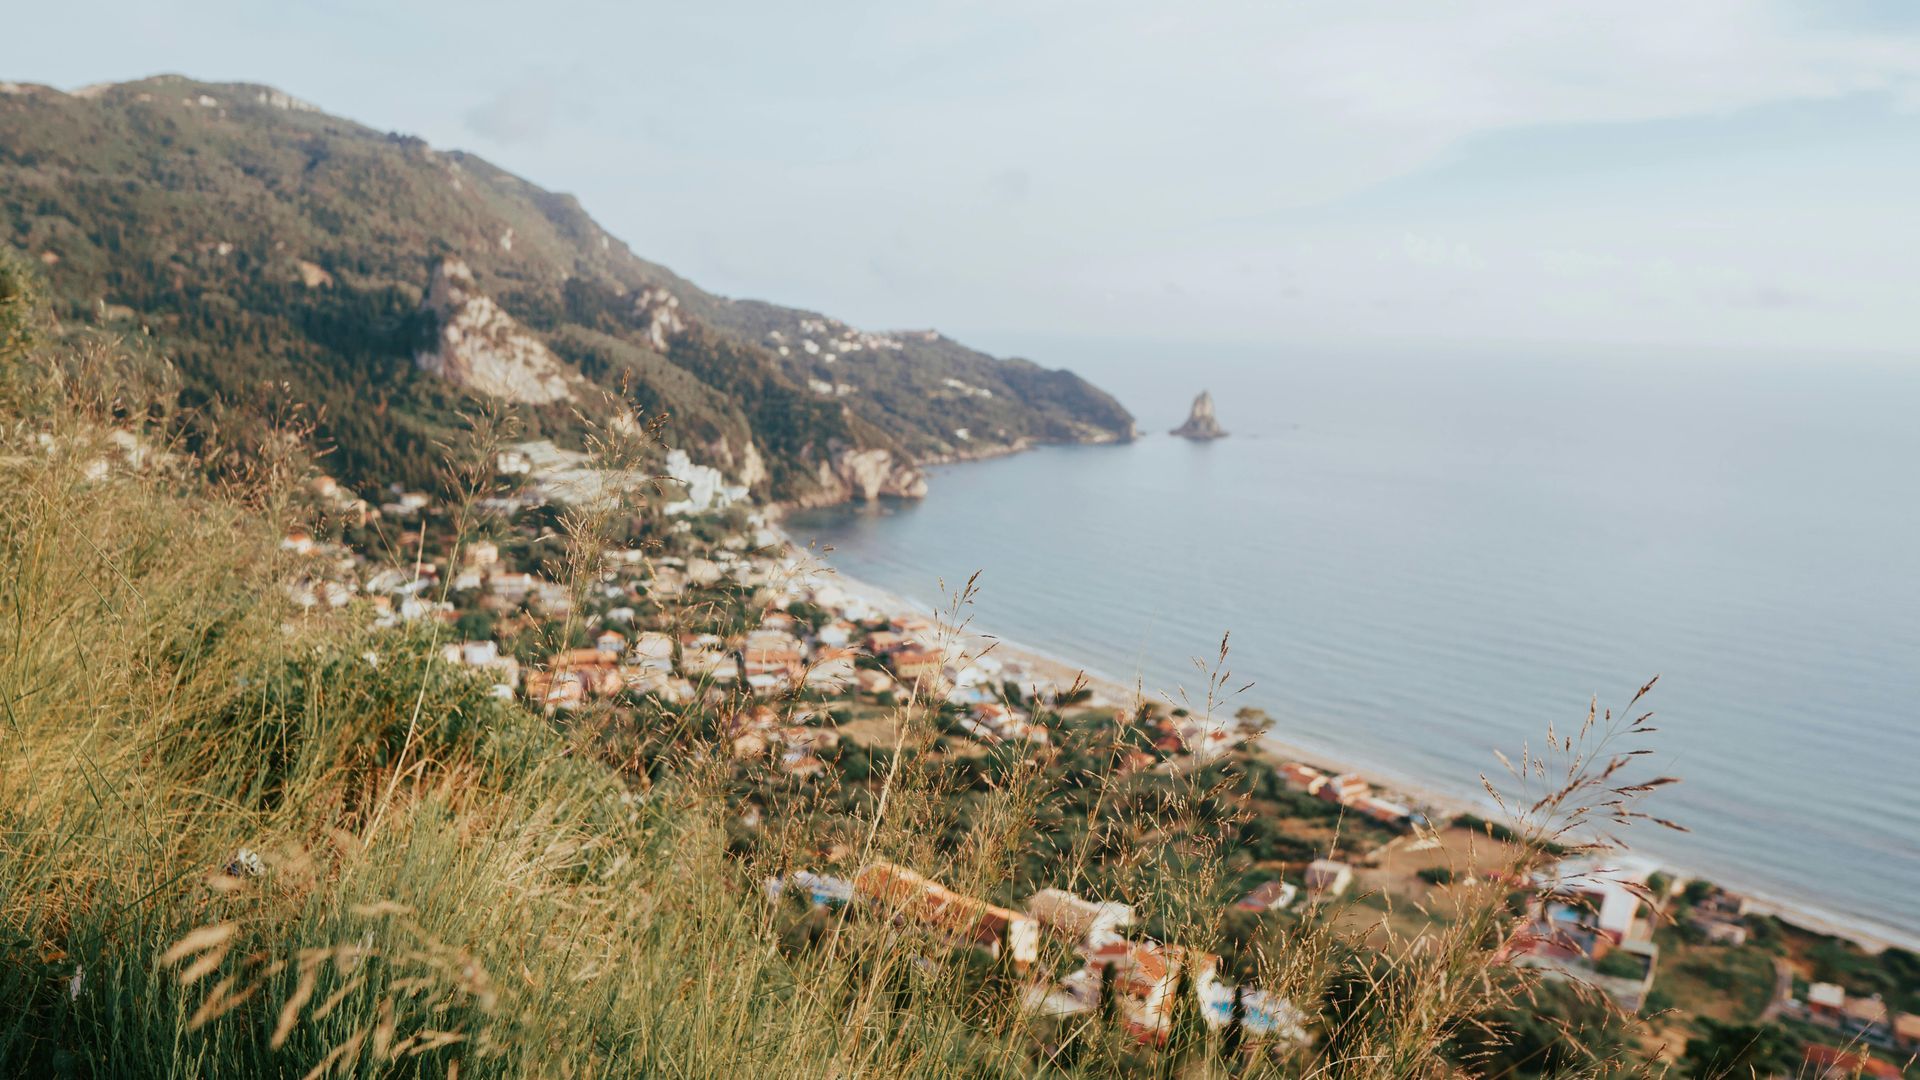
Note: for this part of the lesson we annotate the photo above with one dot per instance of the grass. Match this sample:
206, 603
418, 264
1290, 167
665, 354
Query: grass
236, 840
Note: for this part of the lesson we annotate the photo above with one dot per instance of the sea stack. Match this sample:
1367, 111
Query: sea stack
1200, 422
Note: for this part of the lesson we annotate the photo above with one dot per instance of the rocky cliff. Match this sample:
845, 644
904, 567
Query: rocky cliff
482, 348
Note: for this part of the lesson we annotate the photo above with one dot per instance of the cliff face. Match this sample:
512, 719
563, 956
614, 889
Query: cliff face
1201, 423
482, 348
866, 475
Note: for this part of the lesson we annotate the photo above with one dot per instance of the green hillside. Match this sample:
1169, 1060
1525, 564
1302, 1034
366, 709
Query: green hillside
277, 254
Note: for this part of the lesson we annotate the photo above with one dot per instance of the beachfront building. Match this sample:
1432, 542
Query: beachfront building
1303, 778
1826, 1003
1345, 789
908, 898
1385, 811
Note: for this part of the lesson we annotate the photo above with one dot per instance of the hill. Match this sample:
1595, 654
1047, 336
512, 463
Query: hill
281, 256
284, 797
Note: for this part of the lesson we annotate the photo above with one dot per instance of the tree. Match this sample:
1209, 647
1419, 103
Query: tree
1554, 1029
19, 297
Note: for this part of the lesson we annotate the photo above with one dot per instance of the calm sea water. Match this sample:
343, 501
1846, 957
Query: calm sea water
1422, 561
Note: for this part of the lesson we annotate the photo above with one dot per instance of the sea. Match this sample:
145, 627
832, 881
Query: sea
1421, 559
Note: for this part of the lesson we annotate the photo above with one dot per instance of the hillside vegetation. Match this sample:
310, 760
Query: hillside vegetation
258, 242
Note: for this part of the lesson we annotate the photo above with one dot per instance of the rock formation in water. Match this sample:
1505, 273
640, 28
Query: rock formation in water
1200, 422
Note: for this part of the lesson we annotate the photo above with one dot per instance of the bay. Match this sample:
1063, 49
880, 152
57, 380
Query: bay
1423, 559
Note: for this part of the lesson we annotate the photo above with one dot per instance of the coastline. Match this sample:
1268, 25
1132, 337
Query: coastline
1423, 794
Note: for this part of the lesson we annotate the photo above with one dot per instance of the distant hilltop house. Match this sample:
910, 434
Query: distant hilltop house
1201, 424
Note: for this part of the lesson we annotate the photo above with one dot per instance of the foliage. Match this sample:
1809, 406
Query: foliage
1740, 1050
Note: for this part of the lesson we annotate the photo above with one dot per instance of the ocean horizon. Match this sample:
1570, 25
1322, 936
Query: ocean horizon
1419, 566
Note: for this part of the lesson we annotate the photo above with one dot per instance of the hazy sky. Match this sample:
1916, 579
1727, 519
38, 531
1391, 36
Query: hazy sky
1691, 173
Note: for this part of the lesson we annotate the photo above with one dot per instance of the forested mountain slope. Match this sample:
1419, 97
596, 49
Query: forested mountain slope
281, 256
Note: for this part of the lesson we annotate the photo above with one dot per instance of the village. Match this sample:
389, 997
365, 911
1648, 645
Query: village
715, 609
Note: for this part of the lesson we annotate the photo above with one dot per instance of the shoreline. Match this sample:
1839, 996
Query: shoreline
1110, 690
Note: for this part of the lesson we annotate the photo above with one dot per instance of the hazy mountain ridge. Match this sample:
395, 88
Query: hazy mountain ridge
263, 242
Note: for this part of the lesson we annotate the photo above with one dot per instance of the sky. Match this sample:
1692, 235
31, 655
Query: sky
1701, 176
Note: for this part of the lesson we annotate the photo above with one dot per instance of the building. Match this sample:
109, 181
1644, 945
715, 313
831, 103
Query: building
1328, 878
1303, 777
782, 661
652, 649
821, 890
1345, 789
512, 588
482, 554
1828, 1063
907, 897
1595, 906
1868, 1018
912, 665
832, 670
1383, 810
1273, 895
1826, 1002
1146, 979
1077, 919
1906, 1033
486, 656
922, 672
1720, 932
802, 765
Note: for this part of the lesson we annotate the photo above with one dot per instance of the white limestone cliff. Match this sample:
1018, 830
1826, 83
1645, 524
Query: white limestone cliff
484, 349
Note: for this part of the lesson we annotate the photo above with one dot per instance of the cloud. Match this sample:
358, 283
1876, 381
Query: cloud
1422, 250
523, 114
1011, 186
1768, 297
